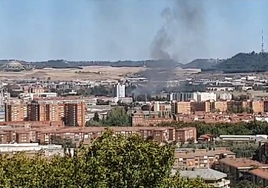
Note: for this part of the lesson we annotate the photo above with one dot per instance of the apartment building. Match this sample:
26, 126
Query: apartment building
20, 134
200, 158
45, 111
183, 108
74, 114
15, 111
196, 96
259, 177
71, 111
258, 106
192, 107
140, 119
213, 178
159, 134
220, 106
161, 107
239, 167
186, 135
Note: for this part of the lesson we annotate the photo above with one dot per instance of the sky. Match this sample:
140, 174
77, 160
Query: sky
35, 30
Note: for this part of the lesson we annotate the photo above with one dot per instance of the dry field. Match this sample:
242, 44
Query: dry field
87, 73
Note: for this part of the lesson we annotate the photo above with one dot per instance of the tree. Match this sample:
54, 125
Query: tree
179, 182
245, 184
96, 117
110, 161
117, 117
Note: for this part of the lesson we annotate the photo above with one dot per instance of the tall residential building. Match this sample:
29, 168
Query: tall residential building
196, 96
43, 111
74, 113
181, 96
15, 112
204, 96
120, 91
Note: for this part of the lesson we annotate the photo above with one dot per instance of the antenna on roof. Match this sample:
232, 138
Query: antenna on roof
262, 43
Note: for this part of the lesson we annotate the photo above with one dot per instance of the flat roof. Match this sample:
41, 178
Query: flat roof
242, 163
262, 173
209, 153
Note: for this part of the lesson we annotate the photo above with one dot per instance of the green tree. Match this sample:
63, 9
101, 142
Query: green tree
110, 161
245, 184
96, 117
117, 117
179, 182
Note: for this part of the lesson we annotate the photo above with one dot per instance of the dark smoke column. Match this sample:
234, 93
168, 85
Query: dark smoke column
183, 33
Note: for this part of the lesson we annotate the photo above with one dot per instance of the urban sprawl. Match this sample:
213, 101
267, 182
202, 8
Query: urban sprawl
219, 132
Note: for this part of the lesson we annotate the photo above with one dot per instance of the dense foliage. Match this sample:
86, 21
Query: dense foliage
116, 117
111, 161
245, 184
217, 129
245, 62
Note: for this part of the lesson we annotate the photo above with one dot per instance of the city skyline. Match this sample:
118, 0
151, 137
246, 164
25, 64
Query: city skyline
123, 29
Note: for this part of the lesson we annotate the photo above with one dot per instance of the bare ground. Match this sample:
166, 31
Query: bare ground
87, 73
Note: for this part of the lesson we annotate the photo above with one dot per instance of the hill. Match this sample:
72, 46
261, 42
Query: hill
202, 64
77, 64
245, 62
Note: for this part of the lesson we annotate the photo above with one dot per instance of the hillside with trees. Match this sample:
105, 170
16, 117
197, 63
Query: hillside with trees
245, 62
111, 161
204, 64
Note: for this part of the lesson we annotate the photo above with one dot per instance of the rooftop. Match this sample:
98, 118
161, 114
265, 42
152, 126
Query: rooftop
262, 173
243, 163
192, 154
206, 174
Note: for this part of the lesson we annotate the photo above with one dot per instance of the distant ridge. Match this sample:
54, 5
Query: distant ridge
245, 62
77, 64
202, 63
240, 63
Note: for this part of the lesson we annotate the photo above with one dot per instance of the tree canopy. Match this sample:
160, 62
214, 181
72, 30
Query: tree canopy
217, 129
245, 62
116, 117
110, 161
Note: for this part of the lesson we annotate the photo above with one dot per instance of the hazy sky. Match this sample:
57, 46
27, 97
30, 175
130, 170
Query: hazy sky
124, 29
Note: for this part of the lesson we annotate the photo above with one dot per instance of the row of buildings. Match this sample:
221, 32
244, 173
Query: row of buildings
69, 110
190, 107
44, 132
249, 106
193, 161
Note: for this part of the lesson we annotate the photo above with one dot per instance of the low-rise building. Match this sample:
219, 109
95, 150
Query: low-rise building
211, 177
259, 177
200, 158
239, 167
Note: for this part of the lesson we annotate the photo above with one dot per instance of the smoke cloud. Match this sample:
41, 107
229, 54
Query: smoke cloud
183, 32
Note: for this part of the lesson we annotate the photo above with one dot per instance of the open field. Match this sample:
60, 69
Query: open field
87, 73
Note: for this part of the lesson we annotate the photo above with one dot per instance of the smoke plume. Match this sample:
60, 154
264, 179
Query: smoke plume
183, 32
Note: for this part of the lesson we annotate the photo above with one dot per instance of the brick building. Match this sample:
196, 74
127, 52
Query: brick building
259, 177
71, 111
74, 114
140, 119
237, 168
15, 111
200, 158
34, 133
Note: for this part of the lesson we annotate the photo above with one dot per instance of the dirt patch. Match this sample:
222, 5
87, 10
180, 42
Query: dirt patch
98, 73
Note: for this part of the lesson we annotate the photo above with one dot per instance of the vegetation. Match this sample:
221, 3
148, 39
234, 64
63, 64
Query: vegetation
245, 62
202, 63
117, 117
110, 161
217, 129
245, 184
